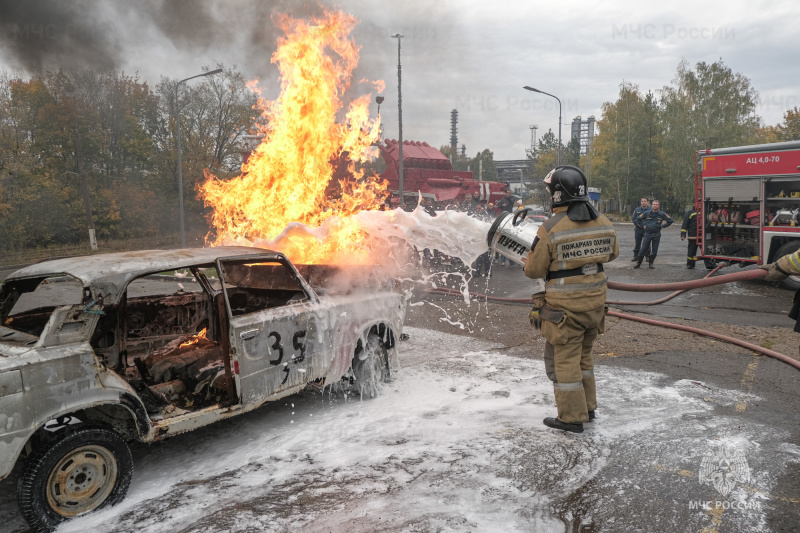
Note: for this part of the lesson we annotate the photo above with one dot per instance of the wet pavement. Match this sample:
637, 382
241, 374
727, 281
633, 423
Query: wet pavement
691, 435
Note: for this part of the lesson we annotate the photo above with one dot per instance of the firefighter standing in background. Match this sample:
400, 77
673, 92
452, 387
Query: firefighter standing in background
788, 265
638, 230
689, 230
653, 222
568, 253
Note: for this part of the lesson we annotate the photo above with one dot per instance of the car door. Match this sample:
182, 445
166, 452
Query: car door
272, 316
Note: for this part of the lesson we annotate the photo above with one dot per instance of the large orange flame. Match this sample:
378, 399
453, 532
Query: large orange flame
309, 140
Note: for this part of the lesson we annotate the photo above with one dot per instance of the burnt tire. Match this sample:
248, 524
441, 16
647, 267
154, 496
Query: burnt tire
791, 282
79, 472
371, 367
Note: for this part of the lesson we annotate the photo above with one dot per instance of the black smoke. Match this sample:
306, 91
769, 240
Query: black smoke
39, 35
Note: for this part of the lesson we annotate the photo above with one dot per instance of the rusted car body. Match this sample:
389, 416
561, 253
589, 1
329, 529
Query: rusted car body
153, 343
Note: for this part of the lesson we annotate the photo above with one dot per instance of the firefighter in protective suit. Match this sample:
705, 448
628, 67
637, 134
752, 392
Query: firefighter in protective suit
568, 252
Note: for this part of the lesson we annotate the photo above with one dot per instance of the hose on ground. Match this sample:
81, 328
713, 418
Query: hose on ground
698, 331
665, 298
687, 285
661, 287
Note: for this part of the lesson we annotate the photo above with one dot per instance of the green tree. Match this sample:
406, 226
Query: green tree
571, 155
790, 129
708, 107
485, 162
459, 162
620, 152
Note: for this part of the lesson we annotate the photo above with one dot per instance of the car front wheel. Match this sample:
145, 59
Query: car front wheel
371, 367
81, 471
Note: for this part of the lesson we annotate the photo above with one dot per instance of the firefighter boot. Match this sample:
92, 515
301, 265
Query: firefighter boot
555, 423
650, 259
571, 402
639, 261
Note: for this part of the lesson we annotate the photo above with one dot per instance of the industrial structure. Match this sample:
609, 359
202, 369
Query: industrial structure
428, 172
583, 130
453, 131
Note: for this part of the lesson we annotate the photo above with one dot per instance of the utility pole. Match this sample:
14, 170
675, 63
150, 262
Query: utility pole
178, 135
527, 88
399, 36
533, 128
87, 203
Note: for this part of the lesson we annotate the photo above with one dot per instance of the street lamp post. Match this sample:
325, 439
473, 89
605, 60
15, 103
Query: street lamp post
399, 36
178, 135
559, 118
379, 101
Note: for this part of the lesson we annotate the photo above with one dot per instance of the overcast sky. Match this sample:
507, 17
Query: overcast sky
471, 55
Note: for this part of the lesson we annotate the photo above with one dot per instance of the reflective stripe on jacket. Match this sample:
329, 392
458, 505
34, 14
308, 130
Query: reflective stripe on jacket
689, 226
790, 263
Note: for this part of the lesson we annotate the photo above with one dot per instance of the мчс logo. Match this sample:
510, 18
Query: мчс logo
722, 467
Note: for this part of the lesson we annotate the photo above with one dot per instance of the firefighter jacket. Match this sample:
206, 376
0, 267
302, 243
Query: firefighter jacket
569, 255
689, 226
636, 212
652, 221
789, 264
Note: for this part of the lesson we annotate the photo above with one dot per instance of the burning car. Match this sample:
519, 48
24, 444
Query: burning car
99, 351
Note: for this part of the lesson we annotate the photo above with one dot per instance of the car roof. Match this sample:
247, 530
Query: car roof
109, 274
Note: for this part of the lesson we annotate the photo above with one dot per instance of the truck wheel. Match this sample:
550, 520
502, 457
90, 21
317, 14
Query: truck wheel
82, 471
791, 282
371, 367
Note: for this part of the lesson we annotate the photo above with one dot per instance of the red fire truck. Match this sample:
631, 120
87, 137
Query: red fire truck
748, 199
428, 172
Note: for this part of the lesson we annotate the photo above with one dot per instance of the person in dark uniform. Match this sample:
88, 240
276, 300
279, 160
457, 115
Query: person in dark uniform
689, 231
652, 219
638, 230
506, 203
568, 253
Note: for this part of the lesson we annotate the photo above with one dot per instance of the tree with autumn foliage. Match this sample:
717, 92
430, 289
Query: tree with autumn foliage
789, 130
646, 146
216, 112
126, 133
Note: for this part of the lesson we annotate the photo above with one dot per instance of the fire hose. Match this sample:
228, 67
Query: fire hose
679, 287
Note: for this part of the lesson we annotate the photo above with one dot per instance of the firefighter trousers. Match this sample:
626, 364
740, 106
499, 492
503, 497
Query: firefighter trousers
568, 362
691, 252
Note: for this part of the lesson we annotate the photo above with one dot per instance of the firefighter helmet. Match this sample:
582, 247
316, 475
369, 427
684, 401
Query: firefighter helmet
566, 184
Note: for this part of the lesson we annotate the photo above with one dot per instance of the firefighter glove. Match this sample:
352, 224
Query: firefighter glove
538, 304
773, 272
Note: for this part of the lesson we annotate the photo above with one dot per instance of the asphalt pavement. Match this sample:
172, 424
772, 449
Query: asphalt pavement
691, 435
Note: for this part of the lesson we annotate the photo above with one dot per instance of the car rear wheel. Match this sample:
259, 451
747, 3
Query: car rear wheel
83, 470
371, 367
791, 282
